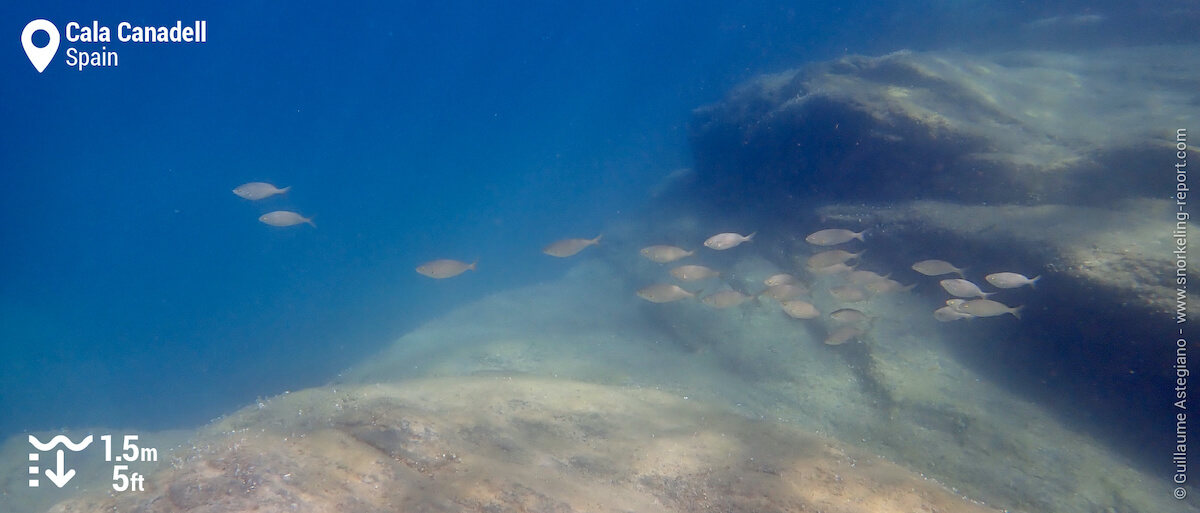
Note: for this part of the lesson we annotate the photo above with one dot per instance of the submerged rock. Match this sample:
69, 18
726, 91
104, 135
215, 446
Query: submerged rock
497, 444
1029, 127
1057, 165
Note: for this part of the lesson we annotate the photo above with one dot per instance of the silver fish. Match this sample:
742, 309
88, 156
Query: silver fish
864, 277
780, 279
665, 254
664, 293
727, 240
950, 313
285, 218
832, 257
988, 308
693, 273
833, 236
440, 269
797, 309
963, 288
258, 190
1010, 280
832, 270
936, 268
567, 247
784, 291
887, 285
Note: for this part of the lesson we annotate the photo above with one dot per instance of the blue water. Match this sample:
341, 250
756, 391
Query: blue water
136, 290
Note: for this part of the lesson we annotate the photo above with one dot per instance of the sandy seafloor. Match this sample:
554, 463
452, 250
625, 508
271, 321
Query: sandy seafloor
483, 406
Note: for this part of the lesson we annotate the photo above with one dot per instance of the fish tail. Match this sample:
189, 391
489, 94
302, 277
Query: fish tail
597, 239
472, 266
285, 189
860, 235
1033, 281
1016, 311
310, 221
750, 238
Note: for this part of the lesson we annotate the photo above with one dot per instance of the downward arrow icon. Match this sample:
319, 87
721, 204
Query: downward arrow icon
60, 479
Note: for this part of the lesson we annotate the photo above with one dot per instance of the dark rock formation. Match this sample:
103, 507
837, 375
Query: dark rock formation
1028, 128
1055, 164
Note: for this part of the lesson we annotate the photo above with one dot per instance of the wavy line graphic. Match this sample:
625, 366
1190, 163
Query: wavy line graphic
60, 439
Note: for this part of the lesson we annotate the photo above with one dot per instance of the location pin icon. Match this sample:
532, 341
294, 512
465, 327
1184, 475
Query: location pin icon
40, 57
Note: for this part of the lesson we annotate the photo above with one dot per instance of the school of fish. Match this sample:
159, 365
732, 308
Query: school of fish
970, 301
793, 294
843, 325
795, 299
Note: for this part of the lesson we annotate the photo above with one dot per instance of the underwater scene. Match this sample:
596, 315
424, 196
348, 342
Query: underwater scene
463, 256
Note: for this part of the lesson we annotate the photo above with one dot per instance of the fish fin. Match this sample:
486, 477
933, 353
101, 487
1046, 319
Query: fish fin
285, 189
906, 288
1033, 281
309, 221
1016, 311
750, 238
597, 239
472, 266
861, 234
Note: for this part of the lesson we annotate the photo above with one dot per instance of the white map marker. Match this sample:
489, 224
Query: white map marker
40, 57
